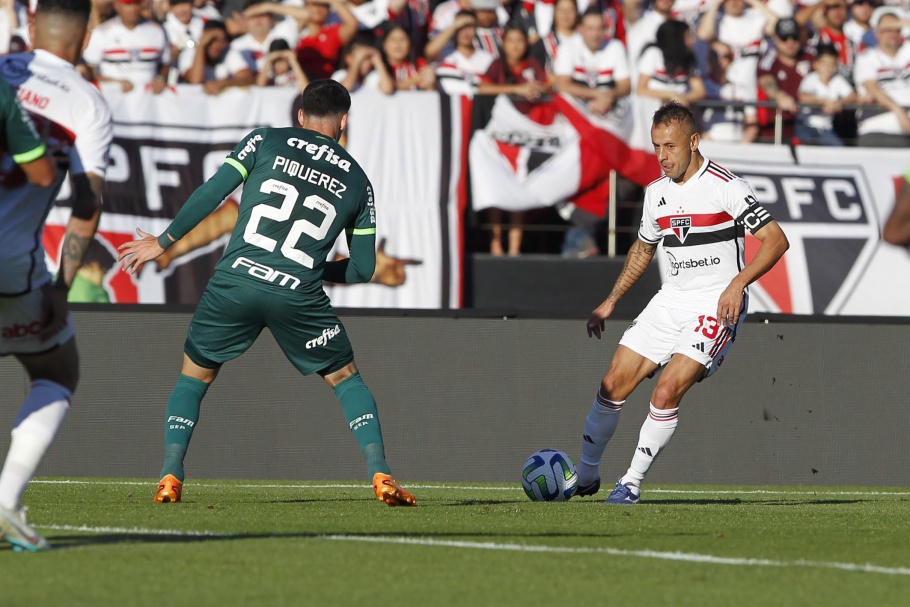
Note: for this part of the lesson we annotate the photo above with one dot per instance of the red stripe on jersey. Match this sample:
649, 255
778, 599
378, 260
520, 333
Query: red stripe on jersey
720, 169
720, 176
698, 221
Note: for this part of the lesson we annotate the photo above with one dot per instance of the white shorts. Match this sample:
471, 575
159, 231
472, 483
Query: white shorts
660, 332
20, 323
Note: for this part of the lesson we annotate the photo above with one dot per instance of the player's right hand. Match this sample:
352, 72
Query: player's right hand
596, 324
135, 253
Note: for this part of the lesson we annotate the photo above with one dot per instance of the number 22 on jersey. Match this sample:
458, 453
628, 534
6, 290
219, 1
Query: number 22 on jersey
283, 213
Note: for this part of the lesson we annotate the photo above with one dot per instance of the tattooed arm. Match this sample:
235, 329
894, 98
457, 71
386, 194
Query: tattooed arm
637, 261
80, 230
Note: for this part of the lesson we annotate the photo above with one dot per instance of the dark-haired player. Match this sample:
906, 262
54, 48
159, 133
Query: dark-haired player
74, 120
699, 210
301, 189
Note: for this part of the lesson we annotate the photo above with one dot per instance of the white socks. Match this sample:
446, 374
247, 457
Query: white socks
33, 432
599, 428
656, 432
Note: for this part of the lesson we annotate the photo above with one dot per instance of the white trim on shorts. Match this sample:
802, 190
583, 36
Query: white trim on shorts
659, 332
20, 323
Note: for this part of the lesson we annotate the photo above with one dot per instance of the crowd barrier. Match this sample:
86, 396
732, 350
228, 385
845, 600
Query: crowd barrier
467, 399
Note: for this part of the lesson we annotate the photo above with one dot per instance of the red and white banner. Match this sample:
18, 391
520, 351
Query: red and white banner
540, 154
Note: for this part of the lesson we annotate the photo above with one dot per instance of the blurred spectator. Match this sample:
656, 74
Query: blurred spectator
213, 64
827, 87
739, 28
858, 27
667, 69
207, 10
688, 10
488, 14
320, 44
642, 28
460, 71
364, 68
129, 49
183, 29
409, 73
513, 73
779, 73
828, 18
729, 123
565, 19
592, 68
261, 30
281, 67
13, 21
414, 17
880, 75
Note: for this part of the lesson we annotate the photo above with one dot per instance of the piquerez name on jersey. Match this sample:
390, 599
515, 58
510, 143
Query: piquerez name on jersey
301, 190
701, 224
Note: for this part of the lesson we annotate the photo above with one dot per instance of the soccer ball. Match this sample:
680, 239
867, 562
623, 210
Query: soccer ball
549, 476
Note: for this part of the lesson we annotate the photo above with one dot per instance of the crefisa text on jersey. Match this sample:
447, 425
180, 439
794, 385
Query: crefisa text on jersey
309, 174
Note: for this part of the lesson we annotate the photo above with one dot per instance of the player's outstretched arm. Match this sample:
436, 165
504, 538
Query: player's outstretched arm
774, 244
637, 261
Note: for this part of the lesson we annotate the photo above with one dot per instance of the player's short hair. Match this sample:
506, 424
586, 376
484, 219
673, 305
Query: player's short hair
324, 98
71, 8
673, 111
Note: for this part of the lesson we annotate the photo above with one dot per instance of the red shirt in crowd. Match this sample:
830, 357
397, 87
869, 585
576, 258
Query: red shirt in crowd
318, 55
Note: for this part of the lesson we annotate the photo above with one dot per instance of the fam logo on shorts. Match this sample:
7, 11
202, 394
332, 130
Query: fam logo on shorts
680, 227
829, 216
327, 334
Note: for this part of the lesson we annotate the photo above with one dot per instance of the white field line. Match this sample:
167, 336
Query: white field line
689, 557
516, 488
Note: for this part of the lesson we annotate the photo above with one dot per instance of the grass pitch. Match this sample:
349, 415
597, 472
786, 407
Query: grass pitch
252, 543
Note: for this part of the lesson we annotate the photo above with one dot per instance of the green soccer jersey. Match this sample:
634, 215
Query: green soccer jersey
17, 134
301, 189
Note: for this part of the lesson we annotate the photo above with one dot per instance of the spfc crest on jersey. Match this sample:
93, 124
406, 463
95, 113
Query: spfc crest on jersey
680, 227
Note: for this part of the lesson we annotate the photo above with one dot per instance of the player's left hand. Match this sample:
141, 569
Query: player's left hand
729, 306
136, 253
54, 311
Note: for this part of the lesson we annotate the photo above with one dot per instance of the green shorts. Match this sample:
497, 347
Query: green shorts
230, 317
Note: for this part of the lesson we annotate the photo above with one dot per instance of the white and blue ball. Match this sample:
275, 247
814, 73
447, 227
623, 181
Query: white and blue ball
549, 476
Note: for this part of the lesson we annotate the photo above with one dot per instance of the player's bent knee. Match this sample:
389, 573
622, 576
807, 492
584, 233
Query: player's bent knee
666, 396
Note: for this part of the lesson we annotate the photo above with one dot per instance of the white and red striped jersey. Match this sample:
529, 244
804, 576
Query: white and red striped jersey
743, 34
458, 74
599, 69
70, 114
652, 66
892, 74
123, 54
701, 224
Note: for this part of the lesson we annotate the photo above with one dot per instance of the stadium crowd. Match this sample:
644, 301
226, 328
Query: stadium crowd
805, 59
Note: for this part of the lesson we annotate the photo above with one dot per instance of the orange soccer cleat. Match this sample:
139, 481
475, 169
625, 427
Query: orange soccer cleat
390, 492
169, 490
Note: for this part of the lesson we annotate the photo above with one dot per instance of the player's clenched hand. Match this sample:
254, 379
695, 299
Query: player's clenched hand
729, 305
54, 310
596, 324
134, 254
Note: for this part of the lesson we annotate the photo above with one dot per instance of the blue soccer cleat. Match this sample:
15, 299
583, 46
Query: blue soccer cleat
15, 530
622, 494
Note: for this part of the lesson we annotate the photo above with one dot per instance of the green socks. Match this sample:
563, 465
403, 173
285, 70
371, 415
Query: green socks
182, 415
363, 418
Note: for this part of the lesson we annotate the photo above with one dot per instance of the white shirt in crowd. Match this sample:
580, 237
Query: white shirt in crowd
460, 75
255, 52
597, 70
836, 88
122, 54
743, 34
652, 65
183, 35
232, 63
893, 79
640, 35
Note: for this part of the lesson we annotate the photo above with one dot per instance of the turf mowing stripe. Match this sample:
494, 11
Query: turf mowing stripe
651, 554
133, 531
516, 487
